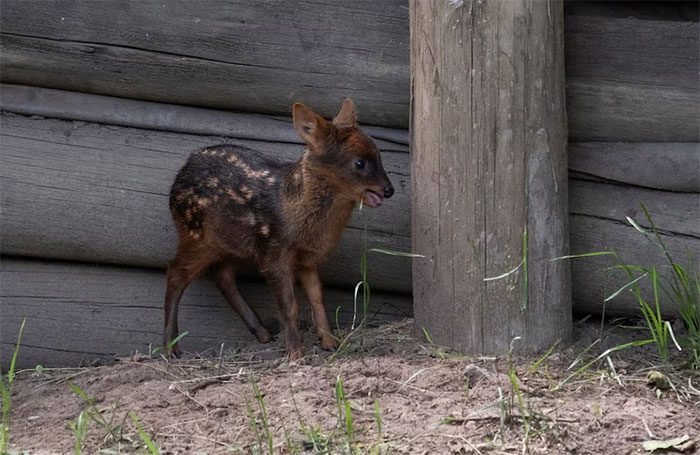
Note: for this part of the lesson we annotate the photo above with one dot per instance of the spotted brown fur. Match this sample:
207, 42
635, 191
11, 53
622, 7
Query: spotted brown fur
232, 206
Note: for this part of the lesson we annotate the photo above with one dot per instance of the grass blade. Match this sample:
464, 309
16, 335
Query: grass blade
583, 255
396, 253
619, 291
145, 437
536, 364
504, 275
264, 417
6, 392
579, 357
13, 360
585, 367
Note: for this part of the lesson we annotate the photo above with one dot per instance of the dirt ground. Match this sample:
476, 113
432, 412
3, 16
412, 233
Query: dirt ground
404, 395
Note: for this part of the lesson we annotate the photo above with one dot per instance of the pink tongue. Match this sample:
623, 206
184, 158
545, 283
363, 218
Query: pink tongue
372, 199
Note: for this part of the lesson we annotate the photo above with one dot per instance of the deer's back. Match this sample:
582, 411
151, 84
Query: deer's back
231, 195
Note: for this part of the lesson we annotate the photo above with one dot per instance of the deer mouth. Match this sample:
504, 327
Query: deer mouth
372, 199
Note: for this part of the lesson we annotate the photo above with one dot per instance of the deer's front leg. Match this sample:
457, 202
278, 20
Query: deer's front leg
314, 290
281, 279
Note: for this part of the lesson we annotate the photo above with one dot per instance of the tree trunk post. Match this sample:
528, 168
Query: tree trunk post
489, 174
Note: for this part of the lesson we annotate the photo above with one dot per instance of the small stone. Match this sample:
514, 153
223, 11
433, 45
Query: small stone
658, 380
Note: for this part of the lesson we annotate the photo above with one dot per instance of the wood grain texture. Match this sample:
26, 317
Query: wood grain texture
663, 166
632, 78
249, 56
77, 312
594, 281
681, 11
673, 212
629, 78
74, 190
610, 111
88, 192
656, 52
66, 105
598, 222
489, 163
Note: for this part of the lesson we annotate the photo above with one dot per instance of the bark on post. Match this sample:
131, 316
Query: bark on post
489, 173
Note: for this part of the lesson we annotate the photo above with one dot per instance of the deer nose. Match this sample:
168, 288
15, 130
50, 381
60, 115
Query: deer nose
388, 190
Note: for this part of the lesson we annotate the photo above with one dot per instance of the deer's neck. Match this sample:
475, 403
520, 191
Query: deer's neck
315, 207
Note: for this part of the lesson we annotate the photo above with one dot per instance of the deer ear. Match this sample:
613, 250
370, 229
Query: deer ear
347, 117
312, 128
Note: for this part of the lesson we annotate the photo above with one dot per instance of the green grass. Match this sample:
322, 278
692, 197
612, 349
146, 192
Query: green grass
517, 396
437, 350
362, 291
6, 392
683, 288
316, 441
254, 426
145, 437
111, 429
680, 288
344, 410
168, 347
264, 420
677, 286
586, 366
362, 286
80, 427
378, 422
313, 438
537, 363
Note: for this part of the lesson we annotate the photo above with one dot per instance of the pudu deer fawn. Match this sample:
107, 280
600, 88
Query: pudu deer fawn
233, 206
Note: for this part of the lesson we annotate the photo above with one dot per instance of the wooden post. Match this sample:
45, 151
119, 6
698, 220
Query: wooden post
489, 173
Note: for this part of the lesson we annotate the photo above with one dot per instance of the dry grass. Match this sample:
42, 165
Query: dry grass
388, 392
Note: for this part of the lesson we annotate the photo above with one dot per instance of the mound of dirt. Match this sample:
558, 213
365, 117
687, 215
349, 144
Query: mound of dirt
384, 392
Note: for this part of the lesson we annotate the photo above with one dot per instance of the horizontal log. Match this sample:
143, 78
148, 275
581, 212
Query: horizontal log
664, 166
682, 11
66, 105
250, 56
631, 79
82, 191
673, 213
632, 50
87, 192
628, 78
593, 280
605, 111
77, 313
597, 222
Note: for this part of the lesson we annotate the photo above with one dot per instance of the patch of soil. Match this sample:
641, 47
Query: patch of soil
404, 395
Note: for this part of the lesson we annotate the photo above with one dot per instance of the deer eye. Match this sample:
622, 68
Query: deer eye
360, 164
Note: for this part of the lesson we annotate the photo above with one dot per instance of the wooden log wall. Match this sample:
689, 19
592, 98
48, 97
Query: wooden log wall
81, 312
98, 193
633, 101
96, 189
85, 177
630, 77
238, 55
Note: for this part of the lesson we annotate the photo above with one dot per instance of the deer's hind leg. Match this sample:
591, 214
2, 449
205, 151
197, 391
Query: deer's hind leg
192, 258
279, 273
226, 282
